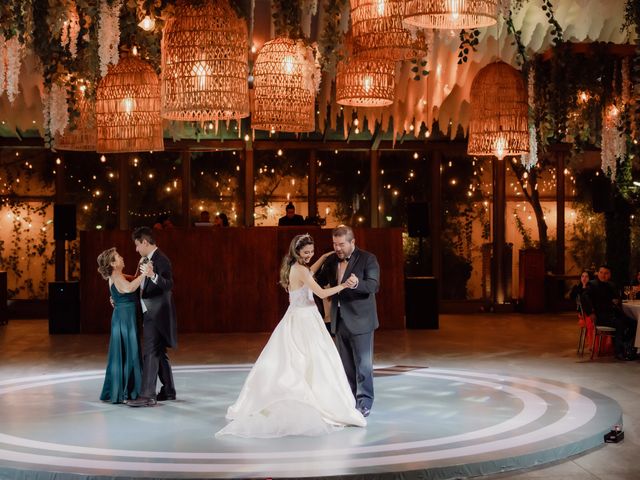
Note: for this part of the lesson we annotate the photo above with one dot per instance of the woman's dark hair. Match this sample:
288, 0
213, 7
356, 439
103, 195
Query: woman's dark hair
224, 219
298, 243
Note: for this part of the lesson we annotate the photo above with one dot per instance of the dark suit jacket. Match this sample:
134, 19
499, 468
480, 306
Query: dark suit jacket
290, 222
357, 306
158, 299
598, 298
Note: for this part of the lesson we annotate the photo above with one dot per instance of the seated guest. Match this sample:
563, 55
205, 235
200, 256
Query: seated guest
221, 220
205, 220
601, 301
291, 218
577, 290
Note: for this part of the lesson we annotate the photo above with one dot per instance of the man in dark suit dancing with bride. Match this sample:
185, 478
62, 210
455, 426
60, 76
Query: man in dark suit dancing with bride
353, 311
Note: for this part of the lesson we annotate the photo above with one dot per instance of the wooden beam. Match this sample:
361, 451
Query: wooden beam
560, 239
312, 185
186, 188
498, 230
249, 194
436, 219
60, 245
374, 169
123, 190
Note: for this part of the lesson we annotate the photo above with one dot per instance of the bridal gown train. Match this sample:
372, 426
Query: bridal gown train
298, 385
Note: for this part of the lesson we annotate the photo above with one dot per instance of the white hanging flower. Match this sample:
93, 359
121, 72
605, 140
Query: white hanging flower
70, 31
3, 64
614, 145
307, 57
58, 110
108, 34
14, 52
530, 160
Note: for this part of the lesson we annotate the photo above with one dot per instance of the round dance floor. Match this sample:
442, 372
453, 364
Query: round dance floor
425, 423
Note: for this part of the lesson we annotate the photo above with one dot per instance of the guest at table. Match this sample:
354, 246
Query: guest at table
221, 220
205, 220
577, 290
601, 301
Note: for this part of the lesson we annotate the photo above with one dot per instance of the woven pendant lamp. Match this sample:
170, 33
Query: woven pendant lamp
498, 123
82, 138
285, 81
128, 108
451, 14
362, 81
377, 29
205, 63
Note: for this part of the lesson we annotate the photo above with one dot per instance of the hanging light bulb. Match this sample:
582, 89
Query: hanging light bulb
148, 23
500, 147
128, 104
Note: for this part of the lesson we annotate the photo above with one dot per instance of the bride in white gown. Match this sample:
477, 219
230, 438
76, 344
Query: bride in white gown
298, 385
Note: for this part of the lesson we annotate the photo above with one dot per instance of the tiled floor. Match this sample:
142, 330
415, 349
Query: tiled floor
522, 345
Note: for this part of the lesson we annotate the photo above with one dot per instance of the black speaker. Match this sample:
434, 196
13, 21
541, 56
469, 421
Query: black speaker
602, 194
64, 307
421, 302
418, 219
64, 221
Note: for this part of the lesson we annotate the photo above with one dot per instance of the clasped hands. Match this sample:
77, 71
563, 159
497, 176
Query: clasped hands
351, 282
146, 269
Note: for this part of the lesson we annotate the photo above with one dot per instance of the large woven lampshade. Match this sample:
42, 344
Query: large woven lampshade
376, 28
285, 80
205, 63
82, 138
362, 81
498, 123
128, 108
451, 14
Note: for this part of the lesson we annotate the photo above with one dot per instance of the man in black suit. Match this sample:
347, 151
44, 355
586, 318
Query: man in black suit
291, 218
601, 300
353, 311
159, 320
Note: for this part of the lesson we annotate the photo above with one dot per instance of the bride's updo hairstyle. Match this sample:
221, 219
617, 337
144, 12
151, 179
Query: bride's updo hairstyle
105, 259
297, 244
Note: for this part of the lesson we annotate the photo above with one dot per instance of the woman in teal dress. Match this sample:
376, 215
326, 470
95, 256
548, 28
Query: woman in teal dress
124, 369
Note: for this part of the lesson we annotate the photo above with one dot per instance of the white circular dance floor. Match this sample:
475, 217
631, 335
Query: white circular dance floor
425, 423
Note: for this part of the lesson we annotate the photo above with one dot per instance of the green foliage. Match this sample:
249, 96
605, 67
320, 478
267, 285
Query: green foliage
556, 29
521, 59
468, 41
525, 233
330, 42
287, 18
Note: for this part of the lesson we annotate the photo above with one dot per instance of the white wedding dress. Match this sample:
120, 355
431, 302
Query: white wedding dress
298, 385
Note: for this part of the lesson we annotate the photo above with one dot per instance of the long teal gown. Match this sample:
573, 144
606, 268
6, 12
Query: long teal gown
123, 378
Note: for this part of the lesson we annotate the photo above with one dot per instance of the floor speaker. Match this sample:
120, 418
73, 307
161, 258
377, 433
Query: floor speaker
64, 307
64, 221
602, 194
421, 302
418, 219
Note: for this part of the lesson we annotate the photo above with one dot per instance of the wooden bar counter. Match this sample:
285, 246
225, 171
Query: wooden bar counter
226, 279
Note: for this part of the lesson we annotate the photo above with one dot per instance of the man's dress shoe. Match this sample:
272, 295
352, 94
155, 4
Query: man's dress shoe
364, 411
142, 402
165, 396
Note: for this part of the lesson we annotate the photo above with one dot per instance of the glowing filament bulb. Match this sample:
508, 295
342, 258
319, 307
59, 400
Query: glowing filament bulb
201, 71
128, 104
380, 7
147, 23
500, 147
367, 83
288, 64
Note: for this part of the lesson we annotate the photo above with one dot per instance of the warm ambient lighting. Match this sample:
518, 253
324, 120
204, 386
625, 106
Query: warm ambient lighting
451, 14
147, 23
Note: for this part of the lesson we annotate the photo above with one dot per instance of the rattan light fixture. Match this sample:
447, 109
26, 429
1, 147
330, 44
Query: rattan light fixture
82, 138
451, 14
286, 76
376, 27
128, 108
205, 63
498, 123
363, 81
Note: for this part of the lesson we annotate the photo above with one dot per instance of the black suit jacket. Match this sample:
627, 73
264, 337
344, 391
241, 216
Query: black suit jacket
599, 298
158, 299
358, 305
